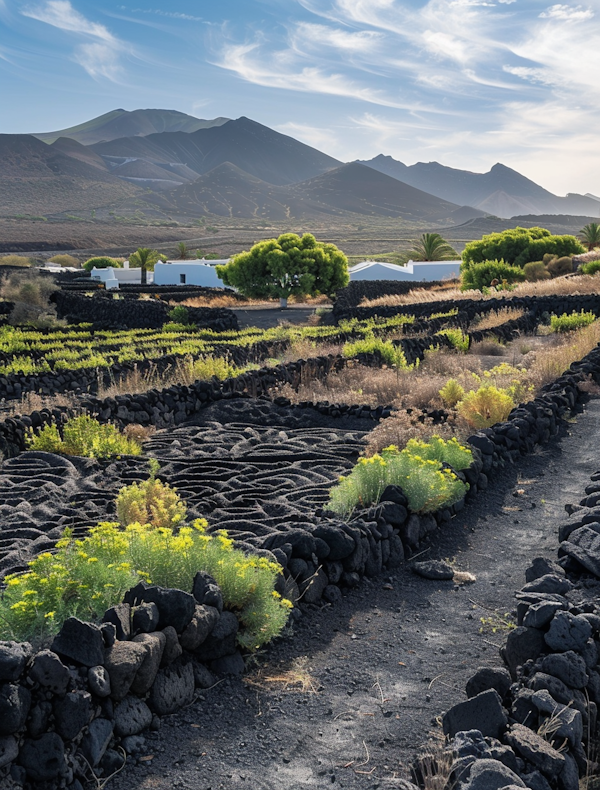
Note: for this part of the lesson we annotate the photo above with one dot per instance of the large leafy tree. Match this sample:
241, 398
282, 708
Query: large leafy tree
145, 259
590, 235
432, 247
519, 246
290, 264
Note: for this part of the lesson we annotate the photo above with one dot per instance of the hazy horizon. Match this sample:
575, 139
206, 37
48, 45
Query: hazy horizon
467, 83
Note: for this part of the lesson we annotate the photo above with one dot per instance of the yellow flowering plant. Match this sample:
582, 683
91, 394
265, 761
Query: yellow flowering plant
418, 469
84, 577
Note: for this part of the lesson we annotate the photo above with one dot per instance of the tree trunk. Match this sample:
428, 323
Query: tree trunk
283, 301
144, 276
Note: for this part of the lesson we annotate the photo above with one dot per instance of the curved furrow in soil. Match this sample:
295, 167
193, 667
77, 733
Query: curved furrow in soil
380, 666
248, 478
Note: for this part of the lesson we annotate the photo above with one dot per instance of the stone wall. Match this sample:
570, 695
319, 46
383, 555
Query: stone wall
107, 313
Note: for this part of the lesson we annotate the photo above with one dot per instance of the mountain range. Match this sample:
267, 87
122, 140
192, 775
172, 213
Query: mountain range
502, 192
170, 162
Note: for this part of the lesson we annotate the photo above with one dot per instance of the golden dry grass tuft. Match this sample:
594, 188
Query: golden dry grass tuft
496, 318
296, 678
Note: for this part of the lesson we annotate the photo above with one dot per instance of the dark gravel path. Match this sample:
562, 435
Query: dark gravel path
384, 662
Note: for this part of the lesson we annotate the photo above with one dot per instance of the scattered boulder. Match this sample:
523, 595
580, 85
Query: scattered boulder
569, 667
522, 644
486, 774
437, 570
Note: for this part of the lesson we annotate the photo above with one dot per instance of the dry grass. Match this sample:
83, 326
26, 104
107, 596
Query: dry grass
496, 318
32, 401
402, 426
295, 678
433, 767
217, 301
551, 362
139, 433
568, 285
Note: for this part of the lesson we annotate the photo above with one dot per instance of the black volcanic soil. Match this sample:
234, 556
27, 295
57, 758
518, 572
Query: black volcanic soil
381, 664
385, 662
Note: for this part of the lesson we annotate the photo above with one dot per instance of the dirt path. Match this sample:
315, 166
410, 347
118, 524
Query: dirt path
269, 315
384, 662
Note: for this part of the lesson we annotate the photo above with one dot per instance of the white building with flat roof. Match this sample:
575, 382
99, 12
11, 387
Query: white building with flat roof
112, 278
414, 271
198, 272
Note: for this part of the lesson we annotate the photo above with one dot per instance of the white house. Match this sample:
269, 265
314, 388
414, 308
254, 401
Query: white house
113, 277
188, 273
413, 271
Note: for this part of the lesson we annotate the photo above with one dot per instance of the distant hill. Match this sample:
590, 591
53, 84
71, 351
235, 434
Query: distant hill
39, 179
254, 148
137, 123
347, 190
502, 191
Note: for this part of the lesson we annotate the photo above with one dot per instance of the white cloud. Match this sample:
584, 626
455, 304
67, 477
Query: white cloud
323, 139
99, 53
567, 13
160, 12
314, 35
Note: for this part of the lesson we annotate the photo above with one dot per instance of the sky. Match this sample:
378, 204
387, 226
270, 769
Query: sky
467, 83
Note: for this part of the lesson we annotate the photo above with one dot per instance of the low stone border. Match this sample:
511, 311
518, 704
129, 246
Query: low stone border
471, 307
533, 722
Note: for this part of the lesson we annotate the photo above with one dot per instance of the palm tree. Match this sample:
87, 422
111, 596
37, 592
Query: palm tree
432, 247
590, 235
182, 250
144, 258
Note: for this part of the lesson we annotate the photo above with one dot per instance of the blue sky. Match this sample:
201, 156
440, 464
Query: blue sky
464, 82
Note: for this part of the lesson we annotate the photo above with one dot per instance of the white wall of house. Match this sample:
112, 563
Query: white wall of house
413, 271
188, 273
112, 277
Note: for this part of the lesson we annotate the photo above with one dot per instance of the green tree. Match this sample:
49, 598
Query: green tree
432, 247
290, 264
182, 250
145, 259
519, 246
590, 235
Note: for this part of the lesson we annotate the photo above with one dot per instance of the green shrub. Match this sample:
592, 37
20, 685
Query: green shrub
457, 337
451, 393
518, 246
535, 270
481, 275
82, 436
102, 262
448, 451
150, 502
427, 485
567, 323
390, 354
85, 577
180, 315
560, 266
485, 407
591, 267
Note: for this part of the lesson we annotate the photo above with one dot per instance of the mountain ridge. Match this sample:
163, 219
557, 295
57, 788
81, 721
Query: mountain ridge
501, 191
129, 123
